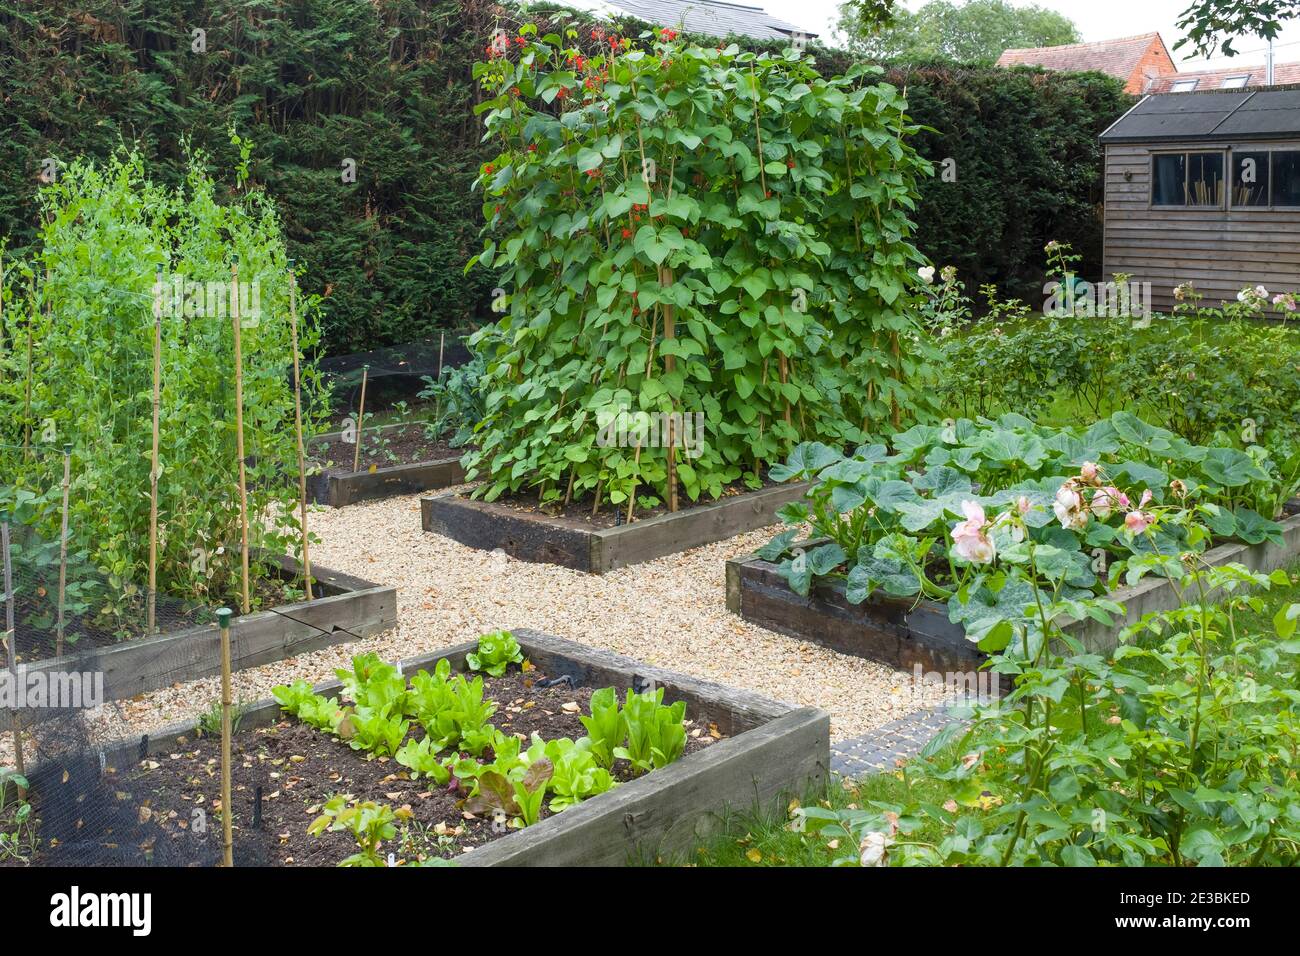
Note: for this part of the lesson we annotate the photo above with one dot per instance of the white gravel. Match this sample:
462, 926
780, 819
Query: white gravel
670, 612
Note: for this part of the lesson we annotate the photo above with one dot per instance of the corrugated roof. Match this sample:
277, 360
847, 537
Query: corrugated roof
1117, 58
1210, 116
709, 17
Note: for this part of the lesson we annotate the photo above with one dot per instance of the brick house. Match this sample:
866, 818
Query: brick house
1139, 60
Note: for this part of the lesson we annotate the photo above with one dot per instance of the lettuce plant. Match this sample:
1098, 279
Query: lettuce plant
369, 823
373, 730
606, 727
656, 735
576, 775
421, 758
496, 652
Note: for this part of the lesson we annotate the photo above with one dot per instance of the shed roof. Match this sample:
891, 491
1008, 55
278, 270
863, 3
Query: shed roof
1210, 116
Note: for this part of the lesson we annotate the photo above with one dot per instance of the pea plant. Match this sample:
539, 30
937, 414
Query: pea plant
678, 231
87, 299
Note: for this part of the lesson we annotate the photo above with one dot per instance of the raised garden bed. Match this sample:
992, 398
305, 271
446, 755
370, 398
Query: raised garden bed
763, 752
907, 633
345, 609
412, 464
570, 543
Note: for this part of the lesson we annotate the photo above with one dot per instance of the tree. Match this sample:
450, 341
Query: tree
1216, 23
975, 32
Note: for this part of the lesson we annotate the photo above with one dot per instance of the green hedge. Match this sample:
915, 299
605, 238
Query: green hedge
310, 82
387, 83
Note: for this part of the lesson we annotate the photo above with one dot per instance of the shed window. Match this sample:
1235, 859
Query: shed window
1286, 178
1250, 179
1187, 179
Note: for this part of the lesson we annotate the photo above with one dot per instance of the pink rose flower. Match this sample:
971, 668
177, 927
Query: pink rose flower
1138, 521
1069, 509
1108, 499
969, 540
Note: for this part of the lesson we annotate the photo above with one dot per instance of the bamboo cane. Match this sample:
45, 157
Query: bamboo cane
63, 549
151, 616
670, 365
361, 418
227, 842
245, 604
297, 420
11, 649
442, 342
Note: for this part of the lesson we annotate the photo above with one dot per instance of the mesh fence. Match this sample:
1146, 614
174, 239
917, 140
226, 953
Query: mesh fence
73, 794
380, 418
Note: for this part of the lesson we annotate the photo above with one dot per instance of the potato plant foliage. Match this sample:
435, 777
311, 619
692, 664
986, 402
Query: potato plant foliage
680, 229
87, 302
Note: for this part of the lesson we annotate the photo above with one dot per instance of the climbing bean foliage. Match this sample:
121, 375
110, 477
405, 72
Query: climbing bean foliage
687, 229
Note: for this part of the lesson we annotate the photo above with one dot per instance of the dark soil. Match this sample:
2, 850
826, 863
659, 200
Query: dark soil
577, 514
297, 769
382, 448
35, 616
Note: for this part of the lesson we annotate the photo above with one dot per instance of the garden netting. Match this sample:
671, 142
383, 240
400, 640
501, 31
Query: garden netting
98, 793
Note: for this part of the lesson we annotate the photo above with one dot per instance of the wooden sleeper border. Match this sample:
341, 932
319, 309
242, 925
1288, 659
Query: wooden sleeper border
340, 488
350, 609
905, 633
770, 751
538, 537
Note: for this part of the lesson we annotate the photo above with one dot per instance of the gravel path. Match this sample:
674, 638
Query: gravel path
670, 612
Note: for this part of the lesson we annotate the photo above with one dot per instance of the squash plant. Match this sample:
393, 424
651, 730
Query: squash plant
682, 230
87, 298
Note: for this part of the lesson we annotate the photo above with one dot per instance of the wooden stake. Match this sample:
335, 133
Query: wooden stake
63, 549
670, 365
297, 420
442, 341
11, 649
636, 463
245, 603
227, 841
361, 417
151, 617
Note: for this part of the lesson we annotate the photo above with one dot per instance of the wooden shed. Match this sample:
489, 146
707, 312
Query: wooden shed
1205, 187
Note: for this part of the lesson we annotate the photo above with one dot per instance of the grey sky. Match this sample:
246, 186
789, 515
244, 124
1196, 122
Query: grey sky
1097, 20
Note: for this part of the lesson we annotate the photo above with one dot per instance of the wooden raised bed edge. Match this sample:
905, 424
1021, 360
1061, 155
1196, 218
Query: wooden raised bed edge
772, 750
340, 488
537, 537
350, 609
906, 633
